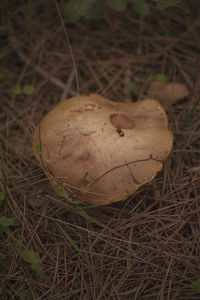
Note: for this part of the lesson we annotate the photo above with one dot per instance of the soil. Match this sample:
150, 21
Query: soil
146, 247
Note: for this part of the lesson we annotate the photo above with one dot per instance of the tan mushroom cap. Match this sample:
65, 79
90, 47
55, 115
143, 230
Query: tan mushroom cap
103, 151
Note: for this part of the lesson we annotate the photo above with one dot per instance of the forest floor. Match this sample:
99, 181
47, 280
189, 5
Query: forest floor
146, 247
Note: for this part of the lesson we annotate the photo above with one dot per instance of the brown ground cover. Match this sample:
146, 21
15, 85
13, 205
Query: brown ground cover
147, 247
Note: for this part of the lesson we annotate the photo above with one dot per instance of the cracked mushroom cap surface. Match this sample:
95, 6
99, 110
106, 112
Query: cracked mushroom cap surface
102, 151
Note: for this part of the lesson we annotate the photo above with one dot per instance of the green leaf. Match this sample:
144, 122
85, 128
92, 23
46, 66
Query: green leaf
16, 90
118, 5
141, 6
160, 77
61, 192
25, 294
162, 4
7, 222
138, 79
99, 11
131, 86
38, 148
74, 10
28, 89
2, 196
196, 285
33, 259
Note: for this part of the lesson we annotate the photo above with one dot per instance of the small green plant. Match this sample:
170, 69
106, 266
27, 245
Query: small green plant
196, 285
160, 77
16, 90
162, 4
61, 192
6, 223
38, 148
74, 10
2, 196
133, 86
25, 294
33, 259
26, 89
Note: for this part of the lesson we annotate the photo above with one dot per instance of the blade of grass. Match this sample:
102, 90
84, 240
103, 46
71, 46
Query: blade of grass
72, 208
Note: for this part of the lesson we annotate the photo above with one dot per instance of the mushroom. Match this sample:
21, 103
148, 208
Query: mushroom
102, 151
167, 93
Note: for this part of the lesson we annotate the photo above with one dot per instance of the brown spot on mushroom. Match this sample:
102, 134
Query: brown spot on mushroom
122, 121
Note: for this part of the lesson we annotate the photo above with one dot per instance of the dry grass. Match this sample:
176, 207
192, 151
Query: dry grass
146, 247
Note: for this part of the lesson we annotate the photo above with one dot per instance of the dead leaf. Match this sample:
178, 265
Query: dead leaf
168, 93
